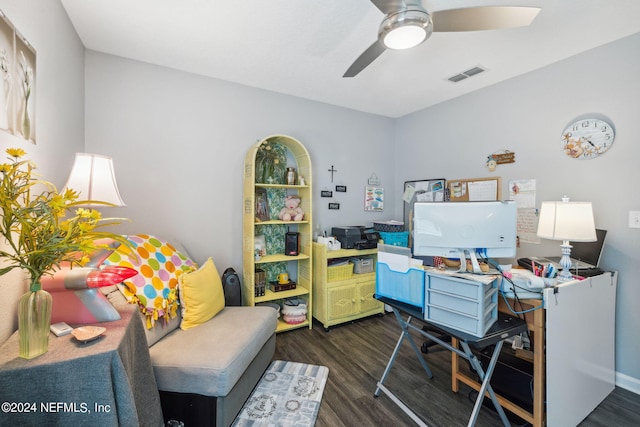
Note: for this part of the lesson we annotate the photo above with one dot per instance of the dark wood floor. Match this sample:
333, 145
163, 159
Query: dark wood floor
356, 355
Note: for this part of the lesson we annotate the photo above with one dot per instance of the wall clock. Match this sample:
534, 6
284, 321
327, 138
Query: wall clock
587, 138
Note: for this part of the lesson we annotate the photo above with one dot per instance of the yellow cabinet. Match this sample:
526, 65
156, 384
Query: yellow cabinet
343, 297
275, 168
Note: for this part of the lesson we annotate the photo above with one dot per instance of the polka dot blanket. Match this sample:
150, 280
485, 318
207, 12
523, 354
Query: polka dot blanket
155, 287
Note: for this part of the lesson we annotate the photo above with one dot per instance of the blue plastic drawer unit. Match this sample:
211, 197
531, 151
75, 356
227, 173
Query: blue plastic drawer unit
404, 286
461, 304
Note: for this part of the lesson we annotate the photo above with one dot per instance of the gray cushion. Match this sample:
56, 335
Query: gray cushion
210, 358
154, 334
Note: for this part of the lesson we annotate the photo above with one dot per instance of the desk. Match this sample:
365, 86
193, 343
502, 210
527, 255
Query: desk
573, 337
505, 327
105, 382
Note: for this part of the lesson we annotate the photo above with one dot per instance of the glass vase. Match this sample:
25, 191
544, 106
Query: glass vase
34, 318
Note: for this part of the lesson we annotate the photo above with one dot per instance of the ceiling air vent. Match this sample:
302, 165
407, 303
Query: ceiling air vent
465, 74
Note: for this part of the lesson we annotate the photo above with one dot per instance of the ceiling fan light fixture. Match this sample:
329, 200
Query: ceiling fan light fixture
405, 29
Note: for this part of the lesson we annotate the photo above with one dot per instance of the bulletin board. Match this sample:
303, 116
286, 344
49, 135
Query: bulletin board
425, 190
474, 189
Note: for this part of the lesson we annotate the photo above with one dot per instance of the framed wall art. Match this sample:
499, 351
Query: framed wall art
17, 82
373, 198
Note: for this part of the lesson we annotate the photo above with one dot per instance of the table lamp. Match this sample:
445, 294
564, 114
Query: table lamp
566, 221
92, 177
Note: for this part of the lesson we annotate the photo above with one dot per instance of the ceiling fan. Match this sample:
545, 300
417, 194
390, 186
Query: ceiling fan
407, 24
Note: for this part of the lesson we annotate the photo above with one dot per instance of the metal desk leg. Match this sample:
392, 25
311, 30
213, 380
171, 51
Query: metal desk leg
486, 379
380, 387
405, 334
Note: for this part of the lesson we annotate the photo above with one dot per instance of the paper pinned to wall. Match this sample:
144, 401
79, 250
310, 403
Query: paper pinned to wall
527, 225
408, 193
523, 191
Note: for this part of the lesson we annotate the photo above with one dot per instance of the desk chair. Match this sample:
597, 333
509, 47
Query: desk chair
429, 343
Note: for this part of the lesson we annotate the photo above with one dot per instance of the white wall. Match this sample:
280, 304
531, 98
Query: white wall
59, 118
179, 140
527, 115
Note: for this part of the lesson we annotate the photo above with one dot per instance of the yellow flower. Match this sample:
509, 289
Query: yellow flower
83, 213
16, 152
70, 195
58, 204
85, 227
5, 168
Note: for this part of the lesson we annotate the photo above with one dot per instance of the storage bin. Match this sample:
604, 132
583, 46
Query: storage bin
395, 239
461, 304
388, 226
362, 265
339, 272
472, 326
407, 287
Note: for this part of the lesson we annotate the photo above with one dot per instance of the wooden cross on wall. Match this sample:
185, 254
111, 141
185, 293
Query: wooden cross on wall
332, 170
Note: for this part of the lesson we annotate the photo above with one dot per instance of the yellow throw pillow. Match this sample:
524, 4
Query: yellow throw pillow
201, 295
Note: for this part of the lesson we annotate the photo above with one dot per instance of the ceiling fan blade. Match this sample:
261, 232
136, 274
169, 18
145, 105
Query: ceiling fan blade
483, 18
366, 58
389, 6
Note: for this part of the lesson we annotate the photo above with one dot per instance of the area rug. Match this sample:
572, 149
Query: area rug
288, 394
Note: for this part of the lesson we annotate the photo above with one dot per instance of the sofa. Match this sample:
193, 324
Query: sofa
205, 369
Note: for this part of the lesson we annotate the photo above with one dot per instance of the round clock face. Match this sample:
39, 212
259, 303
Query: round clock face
587, 138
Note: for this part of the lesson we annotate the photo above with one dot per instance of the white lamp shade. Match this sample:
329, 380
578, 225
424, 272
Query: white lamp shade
572, 221
92, 177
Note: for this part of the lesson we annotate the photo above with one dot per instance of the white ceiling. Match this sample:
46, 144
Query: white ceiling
303, 47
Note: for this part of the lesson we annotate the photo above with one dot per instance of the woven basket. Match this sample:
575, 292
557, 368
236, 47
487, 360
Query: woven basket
339, 272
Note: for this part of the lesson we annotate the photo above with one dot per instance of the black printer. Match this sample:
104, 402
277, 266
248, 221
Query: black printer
356, 237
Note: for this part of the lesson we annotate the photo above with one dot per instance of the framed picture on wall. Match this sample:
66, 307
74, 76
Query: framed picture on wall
17, 82
373, 198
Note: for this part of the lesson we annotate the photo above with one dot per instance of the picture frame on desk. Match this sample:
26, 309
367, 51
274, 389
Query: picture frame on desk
260, 244
262, 205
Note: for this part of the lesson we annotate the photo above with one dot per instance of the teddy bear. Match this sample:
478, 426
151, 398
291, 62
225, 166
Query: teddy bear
291, 211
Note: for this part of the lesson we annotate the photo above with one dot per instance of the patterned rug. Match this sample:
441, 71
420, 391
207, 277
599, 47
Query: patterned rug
288, 394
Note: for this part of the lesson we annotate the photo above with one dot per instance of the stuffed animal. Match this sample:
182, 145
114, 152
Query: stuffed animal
291, 211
